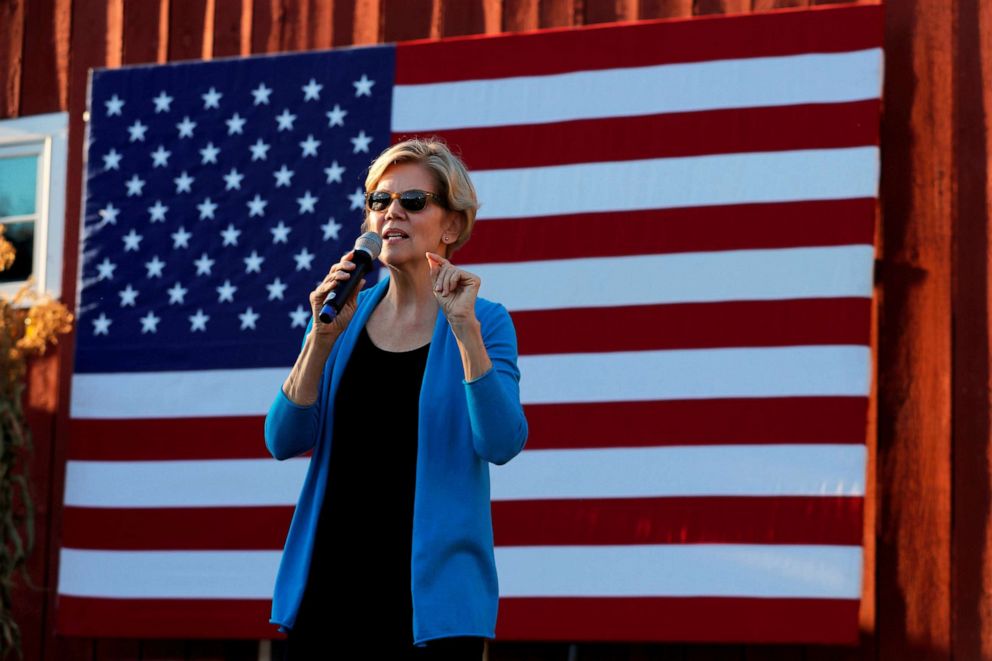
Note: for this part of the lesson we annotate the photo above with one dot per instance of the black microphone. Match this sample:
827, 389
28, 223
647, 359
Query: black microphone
367, 249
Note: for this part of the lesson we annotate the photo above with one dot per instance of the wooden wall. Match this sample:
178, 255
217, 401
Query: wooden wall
928, 546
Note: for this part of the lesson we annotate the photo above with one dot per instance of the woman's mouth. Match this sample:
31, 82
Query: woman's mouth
394, 236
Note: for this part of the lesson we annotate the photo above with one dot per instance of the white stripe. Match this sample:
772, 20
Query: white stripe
607, 377
726, 470
667, 88
655, 472
828, 370
675, 570
690, 181
690, 277
680, 570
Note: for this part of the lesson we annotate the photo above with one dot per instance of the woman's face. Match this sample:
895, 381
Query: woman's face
407, 235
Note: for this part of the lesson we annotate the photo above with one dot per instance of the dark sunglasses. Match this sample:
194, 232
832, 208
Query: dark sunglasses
411, 200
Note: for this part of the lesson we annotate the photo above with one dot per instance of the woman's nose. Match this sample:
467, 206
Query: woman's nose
395, 209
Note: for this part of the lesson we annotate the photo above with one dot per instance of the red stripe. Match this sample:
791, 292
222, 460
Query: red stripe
814, 30
689, 229
688, 520
165, 618
698, 422
814, 126
689, 619
696, 326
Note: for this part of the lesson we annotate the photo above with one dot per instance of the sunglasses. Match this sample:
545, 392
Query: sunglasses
411, 200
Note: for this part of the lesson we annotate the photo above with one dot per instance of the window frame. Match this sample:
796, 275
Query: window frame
47, 137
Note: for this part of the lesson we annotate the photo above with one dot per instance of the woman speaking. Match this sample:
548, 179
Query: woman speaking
405, 397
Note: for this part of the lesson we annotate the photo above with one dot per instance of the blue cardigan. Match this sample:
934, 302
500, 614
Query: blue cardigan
463, 426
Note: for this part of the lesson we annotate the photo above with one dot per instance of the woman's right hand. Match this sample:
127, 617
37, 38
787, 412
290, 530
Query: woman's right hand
336, 276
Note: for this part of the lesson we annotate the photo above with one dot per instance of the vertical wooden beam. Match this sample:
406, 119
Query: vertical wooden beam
560, 13
460, 17
229, 27
914, 358
146, 31
188, 38
521, 15
406, 19
610, 11
12, 29
972, 424
321, 25
367, 22
664, 8
46, 57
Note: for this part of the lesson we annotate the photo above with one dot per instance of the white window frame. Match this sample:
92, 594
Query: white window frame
46, 136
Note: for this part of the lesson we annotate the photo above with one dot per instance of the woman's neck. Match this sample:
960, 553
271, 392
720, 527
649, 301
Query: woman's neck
410, 293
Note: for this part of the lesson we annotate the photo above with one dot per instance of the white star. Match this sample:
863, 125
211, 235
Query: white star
300, 317
276, 289
134, 185
128, 296
112, 160
109, 214
163, 102
311, 91
184, 183
186, 127
261, 94
357, 199
331, 229
235, 124
231, 235
131, 241
361, 142
206, 208
363, 87
114, 105
198, 321
180, 238
259, 151
334, 172
256, 206
203, 265
233, 179
157, 212
209, 154
160, 157
137, 131
306, 202
211, 99
286, 120
280, 233
226, 292
248, 319
177, 294
335, 116
309, 146
283, 176
253, 262
101, 325
304, 258
155, 266
149, 323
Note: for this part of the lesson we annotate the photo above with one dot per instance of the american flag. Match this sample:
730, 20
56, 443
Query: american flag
679, 216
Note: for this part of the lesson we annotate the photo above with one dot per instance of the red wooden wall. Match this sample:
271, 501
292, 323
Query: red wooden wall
928, 544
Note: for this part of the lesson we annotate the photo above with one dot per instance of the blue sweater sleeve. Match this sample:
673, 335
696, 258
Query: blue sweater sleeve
499, 428
291, 429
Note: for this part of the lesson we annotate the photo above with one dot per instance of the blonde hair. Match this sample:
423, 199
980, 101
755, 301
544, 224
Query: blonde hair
454, 185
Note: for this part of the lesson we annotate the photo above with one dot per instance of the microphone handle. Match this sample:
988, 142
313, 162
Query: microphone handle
337, 297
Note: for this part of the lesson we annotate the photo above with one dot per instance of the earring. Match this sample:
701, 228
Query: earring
444, 237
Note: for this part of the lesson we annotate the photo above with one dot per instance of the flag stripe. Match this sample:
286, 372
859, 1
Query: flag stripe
653, 231
552, 426
729, 570
670, 520
760, 34
819, 469
777, 128
711, 85
687, 181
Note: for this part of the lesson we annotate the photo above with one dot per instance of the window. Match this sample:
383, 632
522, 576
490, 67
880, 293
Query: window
32, 199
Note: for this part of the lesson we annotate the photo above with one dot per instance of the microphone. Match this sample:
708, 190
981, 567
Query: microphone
367, 249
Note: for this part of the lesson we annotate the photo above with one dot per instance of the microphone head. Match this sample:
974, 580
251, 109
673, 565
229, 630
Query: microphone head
371, 243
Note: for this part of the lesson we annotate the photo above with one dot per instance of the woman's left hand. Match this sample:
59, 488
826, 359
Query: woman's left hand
455, 289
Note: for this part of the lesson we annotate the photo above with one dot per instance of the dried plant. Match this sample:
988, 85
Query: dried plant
29, 324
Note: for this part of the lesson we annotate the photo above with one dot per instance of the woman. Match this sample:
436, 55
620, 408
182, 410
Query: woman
405, 398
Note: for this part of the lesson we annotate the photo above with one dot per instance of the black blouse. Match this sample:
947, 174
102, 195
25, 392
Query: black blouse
359, 579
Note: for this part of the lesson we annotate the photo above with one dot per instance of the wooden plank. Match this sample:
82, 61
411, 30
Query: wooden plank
188, 36
520, 15
914, 360
232, 20
560, 13
46, 57
367, 25
146, 31
459, 17
609, 11
664, 8
12, 28
266, 26
343, 24
703, 7
408, 19
320, 24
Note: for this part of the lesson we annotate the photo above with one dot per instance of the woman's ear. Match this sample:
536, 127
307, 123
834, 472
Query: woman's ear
452, 226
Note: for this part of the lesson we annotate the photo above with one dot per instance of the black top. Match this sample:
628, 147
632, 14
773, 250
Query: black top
359, 579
